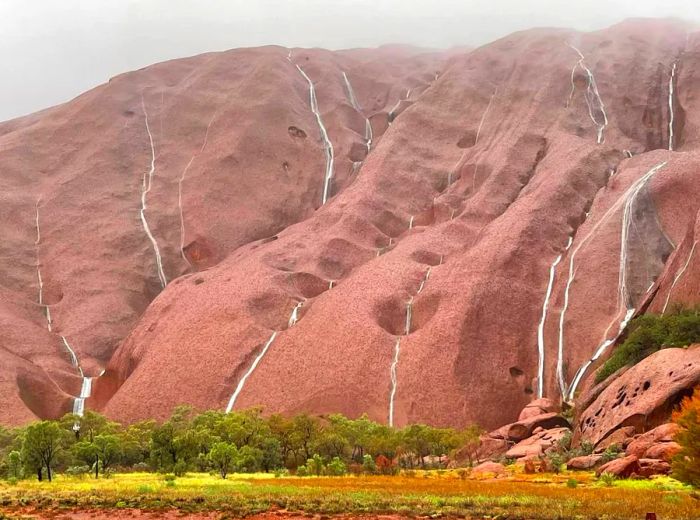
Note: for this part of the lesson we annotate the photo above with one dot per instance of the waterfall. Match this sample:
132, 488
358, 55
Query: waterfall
73, 356
394, 379
327, 145
356, 106
245, 377
85, 391
410, 222
40, 281
181, 182
628, 198
146, 187
409, 315
670, 106
543, 319
424, 281
295, 314
592, 95
678, 277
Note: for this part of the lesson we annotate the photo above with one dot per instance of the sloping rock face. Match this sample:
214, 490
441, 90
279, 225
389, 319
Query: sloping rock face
643, 398
514, 205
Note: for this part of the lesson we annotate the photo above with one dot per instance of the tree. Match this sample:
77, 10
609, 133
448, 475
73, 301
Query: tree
102, 451
14, 464
686, 464
223, 457
42, 442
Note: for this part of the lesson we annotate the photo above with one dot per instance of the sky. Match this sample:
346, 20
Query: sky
52, 50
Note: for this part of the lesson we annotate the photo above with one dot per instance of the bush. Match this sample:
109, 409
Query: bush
78, 471
368, 464
302, 471
572, 483
608, 479
337, 467
180, 468
169, 477
650, 333
686, 464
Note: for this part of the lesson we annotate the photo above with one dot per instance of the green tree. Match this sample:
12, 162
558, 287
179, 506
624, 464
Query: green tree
103, 451
14, 464
223, 457
42, 443
686, 464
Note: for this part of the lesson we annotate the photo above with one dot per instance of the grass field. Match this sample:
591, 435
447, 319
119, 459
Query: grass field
518, 496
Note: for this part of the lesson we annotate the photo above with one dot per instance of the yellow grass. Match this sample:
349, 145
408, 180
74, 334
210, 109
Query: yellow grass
425, 493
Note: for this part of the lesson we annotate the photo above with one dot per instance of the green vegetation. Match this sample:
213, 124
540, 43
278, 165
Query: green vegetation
648, 334
212, 441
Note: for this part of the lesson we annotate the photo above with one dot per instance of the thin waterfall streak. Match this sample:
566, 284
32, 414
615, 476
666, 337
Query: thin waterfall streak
295, 314
179, 188
592, 95
540, 328
358, 109
670, 106
250, 370
628, 198
410, 222
147, 181
40, 280
327, 145
394, 379
678, 277
409, 316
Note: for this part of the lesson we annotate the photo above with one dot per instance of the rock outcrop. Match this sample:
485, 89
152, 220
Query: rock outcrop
642, 398
419, 236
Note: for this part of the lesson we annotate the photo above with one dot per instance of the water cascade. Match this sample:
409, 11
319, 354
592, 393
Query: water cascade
678, 277
593, 99
146, 187
327, 145
356, 106
628, 198
540, 328
179, 188
40, 281
671, 110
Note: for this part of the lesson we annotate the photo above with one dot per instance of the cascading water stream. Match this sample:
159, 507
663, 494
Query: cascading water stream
146, 187
327, 145
540, 328
181, 182
628, 198
40, 281
671, 109
293, 319
353, 101
397, 345
678, 277
85, 391
592, 95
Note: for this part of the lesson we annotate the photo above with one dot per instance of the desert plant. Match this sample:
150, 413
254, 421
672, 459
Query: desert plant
686, 464
608, 479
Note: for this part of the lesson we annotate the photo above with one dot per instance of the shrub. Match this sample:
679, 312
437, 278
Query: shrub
650, 333
611, 453
572, 483
336, 467
555, 461
78, 471
180, 468
302, 471
608, 479
686, 464
368, 464
169, 477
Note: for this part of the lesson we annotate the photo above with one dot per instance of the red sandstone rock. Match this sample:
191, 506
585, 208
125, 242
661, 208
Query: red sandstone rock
537, 444
660, 435
623, 467
651, 467
643, 397
538, 407
485, 172
663, 451
489, 468
491, 448
584, 462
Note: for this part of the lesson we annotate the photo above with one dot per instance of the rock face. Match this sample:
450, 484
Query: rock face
643, 398
584, 462
538, 444
624, 467
515, 203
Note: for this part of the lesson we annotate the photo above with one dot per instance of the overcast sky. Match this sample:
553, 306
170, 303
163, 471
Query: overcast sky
52, 50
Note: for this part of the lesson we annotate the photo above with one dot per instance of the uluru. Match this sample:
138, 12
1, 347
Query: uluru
419, 235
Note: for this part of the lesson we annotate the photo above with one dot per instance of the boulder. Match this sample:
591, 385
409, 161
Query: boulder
491, 448
663, 451
584, 462
538, 444
624, 467
621, 438
651, 467
521, 430
661, 434
538, 407
644, 396
493, 468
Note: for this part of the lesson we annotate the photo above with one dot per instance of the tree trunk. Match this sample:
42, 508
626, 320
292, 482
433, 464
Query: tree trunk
39, 475
48, 472
97, 467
